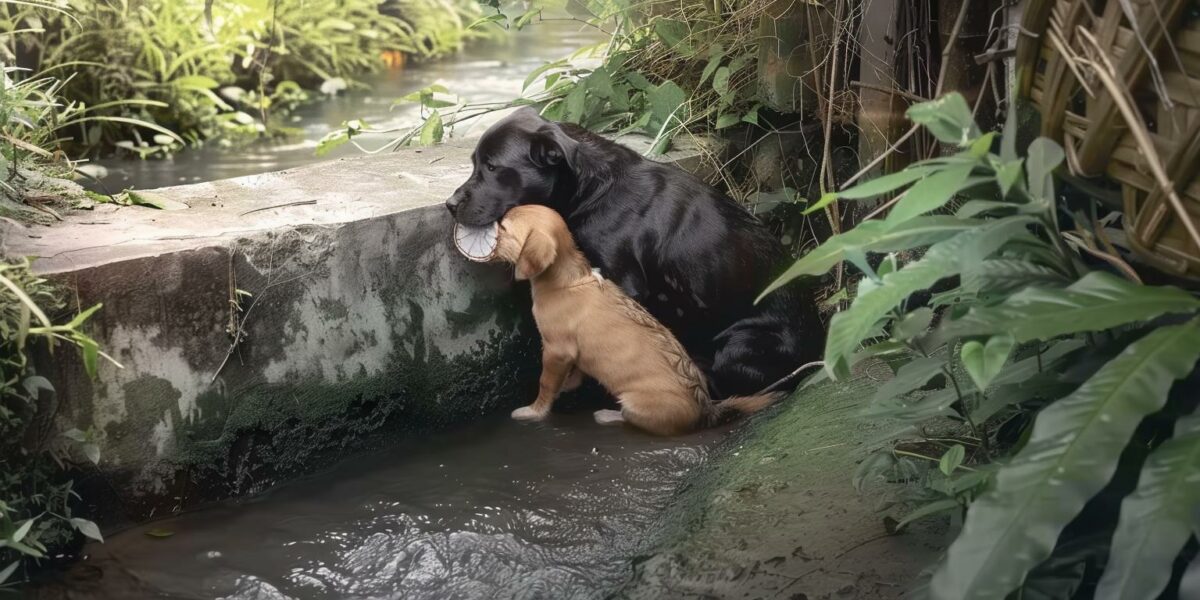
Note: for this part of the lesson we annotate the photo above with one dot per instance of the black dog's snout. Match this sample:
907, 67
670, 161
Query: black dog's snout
452, 204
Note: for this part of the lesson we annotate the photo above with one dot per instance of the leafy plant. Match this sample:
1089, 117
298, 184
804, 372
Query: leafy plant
163, 73
1027, 376
668, 70
35, 498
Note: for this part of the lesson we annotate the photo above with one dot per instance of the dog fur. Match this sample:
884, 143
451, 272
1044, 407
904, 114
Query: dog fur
589, 326
690, 255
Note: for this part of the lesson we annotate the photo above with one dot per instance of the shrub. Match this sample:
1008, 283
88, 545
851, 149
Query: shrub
36, 498
1027, 380
209, 69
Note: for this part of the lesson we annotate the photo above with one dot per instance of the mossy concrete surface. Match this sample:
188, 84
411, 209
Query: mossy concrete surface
775, 514
268, 323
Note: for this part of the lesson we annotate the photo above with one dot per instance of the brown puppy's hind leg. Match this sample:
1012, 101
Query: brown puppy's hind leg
573, 381
657, 417
555, 369
609, 417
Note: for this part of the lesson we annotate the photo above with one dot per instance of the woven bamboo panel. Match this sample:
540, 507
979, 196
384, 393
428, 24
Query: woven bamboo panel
1063, 45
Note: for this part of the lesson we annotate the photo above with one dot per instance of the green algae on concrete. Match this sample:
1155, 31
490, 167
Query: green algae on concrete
775, 514
346, 335
269, 323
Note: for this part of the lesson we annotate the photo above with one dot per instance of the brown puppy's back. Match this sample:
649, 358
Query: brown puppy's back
590, 324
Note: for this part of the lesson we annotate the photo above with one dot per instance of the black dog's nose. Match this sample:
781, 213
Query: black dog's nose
452, 204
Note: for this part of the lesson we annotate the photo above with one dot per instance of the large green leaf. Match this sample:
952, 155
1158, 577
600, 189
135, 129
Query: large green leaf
1007, 275
850, 327
1071, 454
1096, 302
675, 35
1156, 519
667, 106
874, 187
948, 118
1020, 380
1189, 585
931, 193
873, 236
911, 376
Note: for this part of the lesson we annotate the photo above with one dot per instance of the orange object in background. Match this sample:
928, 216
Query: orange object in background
394, 59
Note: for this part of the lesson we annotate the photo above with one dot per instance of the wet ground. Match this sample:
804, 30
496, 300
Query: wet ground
486, 71
496, 510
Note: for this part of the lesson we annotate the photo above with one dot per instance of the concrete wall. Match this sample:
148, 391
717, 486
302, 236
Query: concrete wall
361, 323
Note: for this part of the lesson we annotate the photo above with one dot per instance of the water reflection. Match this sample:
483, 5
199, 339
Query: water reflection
497, 510
489, 71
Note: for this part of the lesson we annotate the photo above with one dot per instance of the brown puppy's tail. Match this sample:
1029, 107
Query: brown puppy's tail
733, 407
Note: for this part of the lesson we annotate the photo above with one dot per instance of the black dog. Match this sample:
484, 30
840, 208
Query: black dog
691, 255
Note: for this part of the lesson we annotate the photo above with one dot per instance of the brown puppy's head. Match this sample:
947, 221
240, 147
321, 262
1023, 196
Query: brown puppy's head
531, 237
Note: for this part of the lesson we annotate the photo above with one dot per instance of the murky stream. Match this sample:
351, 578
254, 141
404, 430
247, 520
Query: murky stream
498, 509
486, 71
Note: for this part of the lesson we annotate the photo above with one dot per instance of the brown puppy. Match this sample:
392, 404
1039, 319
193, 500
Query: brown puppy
589, 326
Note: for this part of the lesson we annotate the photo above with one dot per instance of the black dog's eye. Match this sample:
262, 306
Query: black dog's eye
490, 166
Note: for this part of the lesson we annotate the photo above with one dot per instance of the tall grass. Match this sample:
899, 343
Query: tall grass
214, 69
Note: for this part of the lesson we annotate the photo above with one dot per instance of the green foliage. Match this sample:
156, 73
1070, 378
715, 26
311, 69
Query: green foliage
218, 69
1158, 518
1005, 345
668, 70
1072, 452
35, 498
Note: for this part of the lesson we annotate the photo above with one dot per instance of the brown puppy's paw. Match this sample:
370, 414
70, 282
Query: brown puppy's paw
528, 413
609, 417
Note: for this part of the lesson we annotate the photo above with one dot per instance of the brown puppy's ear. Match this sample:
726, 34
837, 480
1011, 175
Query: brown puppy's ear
537, 255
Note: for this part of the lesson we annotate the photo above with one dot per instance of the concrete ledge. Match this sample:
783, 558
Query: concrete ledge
360, 320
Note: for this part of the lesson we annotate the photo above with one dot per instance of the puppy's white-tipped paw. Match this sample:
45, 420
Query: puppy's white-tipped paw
608, 417
528, 413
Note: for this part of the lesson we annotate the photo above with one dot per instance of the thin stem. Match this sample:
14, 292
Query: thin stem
929, 458
966, 412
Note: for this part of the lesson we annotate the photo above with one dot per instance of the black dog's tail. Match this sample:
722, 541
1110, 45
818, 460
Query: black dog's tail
731, 408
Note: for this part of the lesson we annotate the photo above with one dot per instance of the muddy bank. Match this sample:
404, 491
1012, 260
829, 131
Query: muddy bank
775, 515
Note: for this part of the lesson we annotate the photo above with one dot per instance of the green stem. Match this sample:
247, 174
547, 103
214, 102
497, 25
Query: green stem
929, 458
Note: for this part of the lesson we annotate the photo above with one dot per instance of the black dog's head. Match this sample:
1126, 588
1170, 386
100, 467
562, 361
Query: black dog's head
522, 159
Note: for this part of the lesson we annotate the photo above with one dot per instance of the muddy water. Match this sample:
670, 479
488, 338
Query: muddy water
496, 510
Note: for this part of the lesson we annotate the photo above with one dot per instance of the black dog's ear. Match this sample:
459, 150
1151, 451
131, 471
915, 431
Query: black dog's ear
551, 147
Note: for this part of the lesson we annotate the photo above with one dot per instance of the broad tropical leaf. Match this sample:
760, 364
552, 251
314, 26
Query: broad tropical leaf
1189, 586
1096, 302
1018, 381
911, 376
1071, 454
1007, 275
948, 118
1156, 519
874, 187
873, 236
850, 327
87, 528
932, 193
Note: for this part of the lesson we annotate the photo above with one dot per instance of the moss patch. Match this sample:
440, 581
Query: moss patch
775, 514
